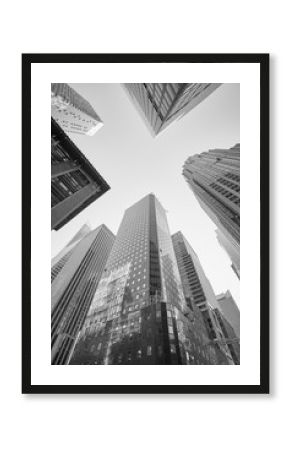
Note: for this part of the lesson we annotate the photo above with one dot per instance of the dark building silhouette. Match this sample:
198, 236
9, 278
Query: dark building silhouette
75, 183
139, 314
214, 177
200, 296
76, 272
160, 104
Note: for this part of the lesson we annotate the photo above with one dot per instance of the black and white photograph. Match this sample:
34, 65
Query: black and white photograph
145, 225
146, 188
145, 218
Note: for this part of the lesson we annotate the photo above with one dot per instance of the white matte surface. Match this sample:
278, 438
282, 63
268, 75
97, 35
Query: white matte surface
248, 372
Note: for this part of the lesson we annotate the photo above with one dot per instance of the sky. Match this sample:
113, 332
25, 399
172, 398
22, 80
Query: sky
134, 164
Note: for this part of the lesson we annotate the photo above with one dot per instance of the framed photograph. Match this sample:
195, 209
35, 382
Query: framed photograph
149, 215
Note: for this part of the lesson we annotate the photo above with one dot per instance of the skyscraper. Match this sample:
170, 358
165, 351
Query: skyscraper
199, 293
75, 183
59, 260
139, 314
72, 112
233, 342
231, 248
160, 104
75, 275
230, 311
214, 177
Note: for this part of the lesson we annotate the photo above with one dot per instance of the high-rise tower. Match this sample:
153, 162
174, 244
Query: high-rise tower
230, 311
214, 177
160, 104
59, 260
75, 275
75, 183
72, 112
230, 337
139, 314
231, 247
199, 293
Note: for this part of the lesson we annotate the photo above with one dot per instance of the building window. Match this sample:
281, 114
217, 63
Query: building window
149, 333
149, 350
172, 348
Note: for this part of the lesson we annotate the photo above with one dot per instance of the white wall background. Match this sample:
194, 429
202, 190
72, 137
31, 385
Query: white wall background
74, 422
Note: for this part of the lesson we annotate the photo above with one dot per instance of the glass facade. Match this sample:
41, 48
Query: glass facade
75, 278
162, 96
139, 314
163, 103
58, 266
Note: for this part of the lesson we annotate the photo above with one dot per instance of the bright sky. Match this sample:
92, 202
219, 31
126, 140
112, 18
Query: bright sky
135, 164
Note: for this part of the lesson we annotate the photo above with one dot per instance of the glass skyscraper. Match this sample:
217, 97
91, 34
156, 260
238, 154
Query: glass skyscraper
160, 104
139, 314
214, 177
75, 274
75, 183
72, 112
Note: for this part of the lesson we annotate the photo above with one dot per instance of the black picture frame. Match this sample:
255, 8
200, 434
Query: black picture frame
27, 61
